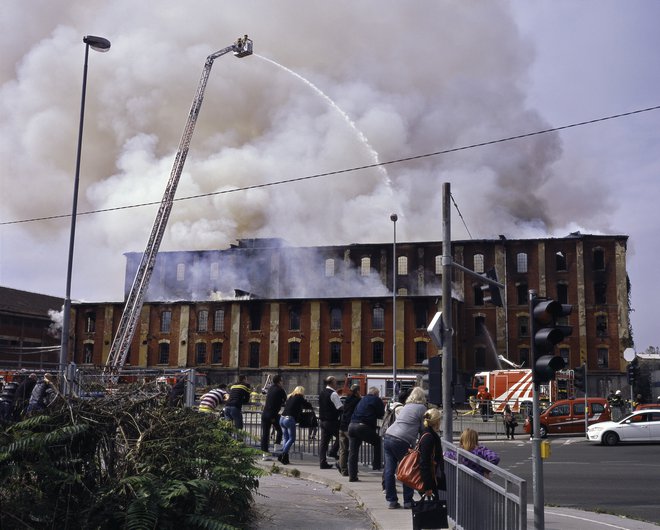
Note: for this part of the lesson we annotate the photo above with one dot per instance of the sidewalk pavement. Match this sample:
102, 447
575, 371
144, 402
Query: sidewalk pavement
369, 493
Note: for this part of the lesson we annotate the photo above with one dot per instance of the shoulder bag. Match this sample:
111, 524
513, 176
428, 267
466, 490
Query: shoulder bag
408, 471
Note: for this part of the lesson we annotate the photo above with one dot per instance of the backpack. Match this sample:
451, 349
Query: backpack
390, 417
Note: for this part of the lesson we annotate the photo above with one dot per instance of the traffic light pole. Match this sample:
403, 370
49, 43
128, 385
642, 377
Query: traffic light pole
537, 462
448, 332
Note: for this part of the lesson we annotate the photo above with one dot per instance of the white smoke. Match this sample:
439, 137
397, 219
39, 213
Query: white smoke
414, 77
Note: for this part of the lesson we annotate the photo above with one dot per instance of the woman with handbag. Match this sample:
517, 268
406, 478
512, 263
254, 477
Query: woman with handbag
291, 415
398, 438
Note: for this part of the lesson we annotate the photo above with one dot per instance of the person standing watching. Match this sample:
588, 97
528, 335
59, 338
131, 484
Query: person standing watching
330, 407
239, 395
290, 416
349, 407
270, 416
398, 438
364, 428
431, 462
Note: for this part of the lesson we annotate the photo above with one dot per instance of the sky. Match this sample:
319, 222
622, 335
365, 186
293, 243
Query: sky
332, 86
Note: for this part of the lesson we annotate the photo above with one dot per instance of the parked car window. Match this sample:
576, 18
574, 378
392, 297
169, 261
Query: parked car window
560, 410
578, 409
597, 408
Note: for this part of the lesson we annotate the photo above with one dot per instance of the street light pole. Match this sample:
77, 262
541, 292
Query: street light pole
394, 217
102, 45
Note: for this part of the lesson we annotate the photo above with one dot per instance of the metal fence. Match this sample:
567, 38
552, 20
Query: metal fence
476, 502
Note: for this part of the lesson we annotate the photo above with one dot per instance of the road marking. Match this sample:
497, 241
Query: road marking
600, 523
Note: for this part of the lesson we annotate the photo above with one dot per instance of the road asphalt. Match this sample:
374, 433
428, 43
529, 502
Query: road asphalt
368, 494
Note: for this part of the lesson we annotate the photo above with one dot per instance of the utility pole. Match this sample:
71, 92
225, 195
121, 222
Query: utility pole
447, 349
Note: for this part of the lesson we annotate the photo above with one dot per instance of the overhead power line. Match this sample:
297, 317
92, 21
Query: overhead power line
348, 170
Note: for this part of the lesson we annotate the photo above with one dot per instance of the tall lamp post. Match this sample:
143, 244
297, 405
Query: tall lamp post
394, 217
101, 45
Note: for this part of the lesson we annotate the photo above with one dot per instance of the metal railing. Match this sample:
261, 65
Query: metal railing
476, 502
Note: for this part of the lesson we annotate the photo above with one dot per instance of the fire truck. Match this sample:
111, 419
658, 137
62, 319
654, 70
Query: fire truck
381, 381
514, 387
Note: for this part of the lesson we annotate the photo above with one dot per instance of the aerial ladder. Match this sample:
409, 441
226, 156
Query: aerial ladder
131, 314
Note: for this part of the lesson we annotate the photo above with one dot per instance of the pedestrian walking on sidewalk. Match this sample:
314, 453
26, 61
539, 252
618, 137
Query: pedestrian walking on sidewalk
364, 428
270, 416
349, 407
398, 438
330, 407
291, 415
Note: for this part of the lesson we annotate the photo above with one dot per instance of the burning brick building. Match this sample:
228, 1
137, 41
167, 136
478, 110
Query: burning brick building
262, 306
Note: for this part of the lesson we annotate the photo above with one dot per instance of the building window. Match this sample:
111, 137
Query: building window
438, 264
294, 318
599, 259
377, 348
478, 263
560, 261
378, 318
421, 355
180, 272
335, 318
90, 322
365, 266
523, 326
202, 321
523, 356
216, 353
255, 317
329, 267
164, 353
480, 358
601, 326
165, 321
479, 325
219, 320
522, 292
335, 352
88, 352
521, 262
562, 293
603, 357
402, 266
253, 361
200, 353
215, 271
421, 316
294, 352
478, 295
600, 290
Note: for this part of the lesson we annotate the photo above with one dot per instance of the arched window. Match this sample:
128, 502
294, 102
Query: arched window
521, 262
378, 317
203, 321
335, 318
478, 263
329, 267
365, 266
402, 266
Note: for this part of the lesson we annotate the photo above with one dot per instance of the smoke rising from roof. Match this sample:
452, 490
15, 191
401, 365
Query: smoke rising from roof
414, 78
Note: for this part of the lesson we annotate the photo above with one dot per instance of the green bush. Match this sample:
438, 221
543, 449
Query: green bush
124, 462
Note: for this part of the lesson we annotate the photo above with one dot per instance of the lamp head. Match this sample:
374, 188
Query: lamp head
394, 217
97, 43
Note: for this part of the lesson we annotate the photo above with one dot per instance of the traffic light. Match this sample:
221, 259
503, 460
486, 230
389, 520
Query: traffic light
491, 293
579, 378
633, 371
547, 332
434, 380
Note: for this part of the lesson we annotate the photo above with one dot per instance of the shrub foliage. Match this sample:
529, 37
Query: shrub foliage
124, 461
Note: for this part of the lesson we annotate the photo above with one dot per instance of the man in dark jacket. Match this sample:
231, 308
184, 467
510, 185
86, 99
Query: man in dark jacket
270, 416
330, 407
239, 395
350, 403
364, 428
